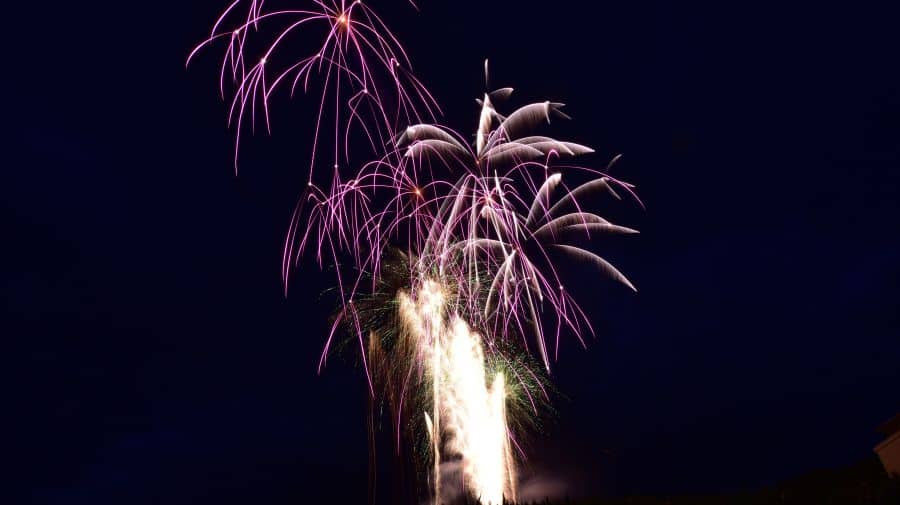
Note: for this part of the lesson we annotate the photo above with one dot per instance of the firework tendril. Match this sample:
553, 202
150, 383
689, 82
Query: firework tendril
445, 250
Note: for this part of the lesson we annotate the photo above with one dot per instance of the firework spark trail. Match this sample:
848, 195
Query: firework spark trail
479, 228
498, 219
366, 77
483, 225
468, 416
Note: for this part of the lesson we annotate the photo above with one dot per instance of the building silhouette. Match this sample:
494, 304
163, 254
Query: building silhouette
889, 448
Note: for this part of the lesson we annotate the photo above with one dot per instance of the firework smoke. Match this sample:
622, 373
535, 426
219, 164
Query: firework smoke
445, 252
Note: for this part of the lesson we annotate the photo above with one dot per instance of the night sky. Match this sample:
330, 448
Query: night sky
155, 359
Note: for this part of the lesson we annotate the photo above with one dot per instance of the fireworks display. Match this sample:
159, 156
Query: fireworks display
444, 249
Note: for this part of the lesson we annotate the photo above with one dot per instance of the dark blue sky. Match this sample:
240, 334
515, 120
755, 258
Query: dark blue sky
156, 360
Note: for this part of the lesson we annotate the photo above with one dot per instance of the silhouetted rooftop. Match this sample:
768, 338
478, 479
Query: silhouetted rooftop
890, 427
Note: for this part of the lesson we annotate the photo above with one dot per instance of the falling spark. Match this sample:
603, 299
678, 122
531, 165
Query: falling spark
363, 72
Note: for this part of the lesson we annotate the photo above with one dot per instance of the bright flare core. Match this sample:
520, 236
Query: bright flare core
468, 422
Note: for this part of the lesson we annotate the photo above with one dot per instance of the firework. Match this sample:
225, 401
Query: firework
495, 232
445, 252
364, 73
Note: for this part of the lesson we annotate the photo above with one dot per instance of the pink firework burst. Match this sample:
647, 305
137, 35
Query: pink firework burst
362, 72
495, 233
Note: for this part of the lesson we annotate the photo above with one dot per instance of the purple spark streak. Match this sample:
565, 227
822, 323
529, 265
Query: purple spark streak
358, 57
